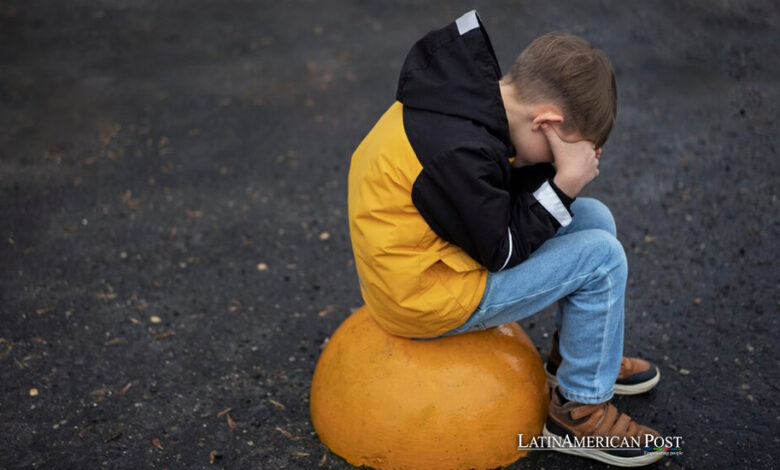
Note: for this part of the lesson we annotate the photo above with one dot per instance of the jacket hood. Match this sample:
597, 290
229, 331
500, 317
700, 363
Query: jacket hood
454, 70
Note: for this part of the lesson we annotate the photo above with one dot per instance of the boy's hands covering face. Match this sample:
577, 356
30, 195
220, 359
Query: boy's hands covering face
577, 163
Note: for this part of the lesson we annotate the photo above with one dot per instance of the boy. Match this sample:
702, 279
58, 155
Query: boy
463, 215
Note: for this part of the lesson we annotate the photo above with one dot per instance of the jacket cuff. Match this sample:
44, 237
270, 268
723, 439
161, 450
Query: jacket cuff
548, 198
565, 199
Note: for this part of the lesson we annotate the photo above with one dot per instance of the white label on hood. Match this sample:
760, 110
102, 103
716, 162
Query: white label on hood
467, 22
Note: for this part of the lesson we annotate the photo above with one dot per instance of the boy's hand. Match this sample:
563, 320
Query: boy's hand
577, 163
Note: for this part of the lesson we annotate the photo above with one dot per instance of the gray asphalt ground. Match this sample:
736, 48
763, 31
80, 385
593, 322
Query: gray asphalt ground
174, 234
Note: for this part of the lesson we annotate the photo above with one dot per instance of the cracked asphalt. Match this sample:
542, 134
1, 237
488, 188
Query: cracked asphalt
175, 248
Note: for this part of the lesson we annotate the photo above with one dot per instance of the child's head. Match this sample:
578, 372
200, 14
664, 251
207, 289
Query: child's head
562, 80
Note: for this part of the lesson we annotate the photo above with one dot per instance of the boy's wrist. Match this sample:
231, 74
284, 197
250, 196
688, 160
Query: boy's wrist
565, 199
566, 186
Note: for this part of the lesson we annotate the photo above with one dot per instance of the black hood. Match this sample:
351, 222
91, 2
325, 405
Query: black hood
454, 71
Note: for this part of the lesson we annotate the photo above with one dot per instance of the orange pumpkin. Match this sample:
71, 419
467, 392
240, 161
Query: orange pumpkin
457, 402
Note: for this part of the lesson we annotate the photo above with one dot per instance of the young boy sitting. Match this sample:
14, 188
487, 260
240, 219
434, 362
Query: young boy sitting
464, 214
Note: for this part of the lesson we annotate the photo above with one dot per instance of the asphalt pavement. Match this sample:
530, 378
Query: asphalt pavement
175, 248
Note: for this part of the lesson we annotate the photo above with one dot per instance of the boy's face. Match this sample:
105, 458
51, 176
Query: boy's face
525, 123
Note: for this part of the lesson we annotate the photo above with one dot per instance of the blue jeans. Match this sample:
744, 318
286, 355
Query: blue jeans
583, 268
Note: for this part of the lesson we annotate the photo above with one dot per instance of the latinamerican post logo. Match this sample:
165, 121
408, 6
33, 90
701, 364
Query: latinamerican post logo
669, 445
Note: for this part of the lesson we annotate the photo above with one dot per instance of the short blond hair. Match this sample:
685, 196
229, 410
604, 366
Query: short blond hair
570, 72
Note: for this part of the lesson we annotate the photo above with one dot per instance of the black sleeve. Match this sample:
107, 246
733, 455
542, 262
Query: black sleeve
466, 196
529, 178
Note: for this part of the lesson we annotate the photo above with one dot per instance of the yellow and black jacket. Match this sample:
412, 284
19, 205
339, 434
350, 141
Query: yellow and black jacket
434, 203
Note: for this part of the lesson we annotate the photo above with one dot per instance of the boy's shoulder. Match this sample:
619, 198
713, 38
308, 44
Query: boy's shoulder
432, 134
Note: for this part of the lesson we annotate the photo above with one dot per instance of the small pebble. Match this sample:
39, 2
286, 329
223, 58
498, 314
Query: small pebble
33, 392
324, 236
262, 267
155, 319
684, 371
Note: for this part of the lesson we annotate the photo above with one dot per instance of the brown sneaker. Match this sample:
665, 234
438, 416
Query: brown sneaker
616, 438
635, 376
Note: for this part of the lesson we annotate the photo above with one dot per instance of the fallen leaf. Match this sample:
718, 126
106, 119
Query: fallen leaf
156, 443
45, 309
105, 295
134, 204
108, 131
323, 460
213, 457
113, 437
126, 388
195, 214
100, 391
224, 412
114, 341
231, 424
164, 335
326, 310
31, 356
288, 434
276, 404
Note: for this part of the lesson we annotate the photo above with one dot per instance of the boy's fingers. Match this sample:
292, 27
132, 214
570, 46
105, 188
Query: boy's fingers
551, 135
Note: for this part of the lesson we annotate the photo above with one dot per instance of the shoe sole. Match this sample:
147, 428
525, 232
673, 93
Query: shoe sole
594, 454
620, 389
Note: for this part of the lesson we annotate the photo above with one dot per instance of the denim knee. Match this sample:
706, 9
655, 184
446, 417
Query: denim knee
598, 214
604, 246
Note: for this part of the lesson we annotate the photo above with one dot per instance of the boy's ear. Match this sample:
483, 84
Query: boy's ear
549, 117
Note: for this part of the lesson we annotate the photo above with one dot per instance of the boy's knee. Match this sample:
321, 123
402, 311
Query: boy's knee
597, 213
606, 247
